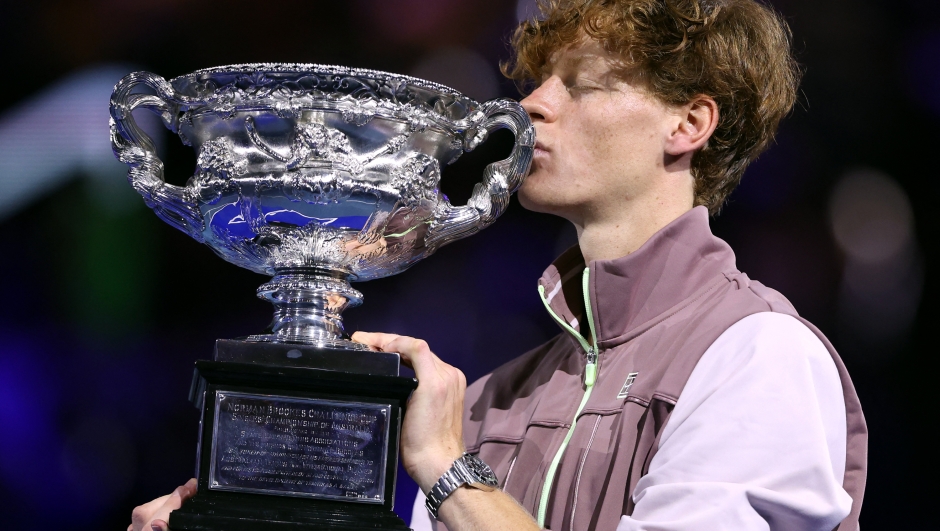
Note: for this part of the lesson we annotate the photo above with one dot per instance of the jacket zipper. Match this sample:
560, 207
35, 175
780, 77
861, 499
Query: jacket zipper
512, 465
590, 376
577, 478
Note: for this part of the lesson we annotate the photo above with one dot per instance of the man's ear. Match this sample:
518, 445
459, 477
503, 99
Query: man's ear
696, 121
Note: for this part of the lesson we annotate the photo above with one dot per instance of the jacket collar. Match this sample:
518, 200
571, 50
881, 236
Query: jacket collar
627, 294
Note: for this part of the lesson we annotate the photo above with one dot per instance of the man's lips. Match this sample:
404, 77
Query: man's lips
540, 149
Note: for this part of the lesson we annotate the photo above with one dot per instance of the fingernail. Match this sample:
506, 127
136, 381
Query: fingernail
157, 527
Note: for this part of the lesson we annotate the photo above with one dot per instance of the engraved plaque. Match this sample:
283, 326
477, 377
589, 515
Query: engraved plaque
299, 447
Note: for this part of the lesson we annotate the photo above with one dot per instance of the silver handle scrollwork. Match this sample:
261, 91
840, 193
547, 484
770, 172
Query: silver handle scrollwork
133, 147
500, 179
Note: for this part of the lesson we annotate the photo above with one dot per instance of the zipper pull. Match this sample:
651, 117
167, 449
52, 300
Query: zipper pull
590, 370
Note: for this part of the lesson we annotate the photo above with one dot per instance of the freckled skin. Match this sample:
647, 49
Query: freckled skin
612, 157
601, 133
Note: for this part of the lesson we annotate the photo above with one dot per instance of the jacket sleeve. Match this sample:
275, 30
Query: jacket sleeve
756, 440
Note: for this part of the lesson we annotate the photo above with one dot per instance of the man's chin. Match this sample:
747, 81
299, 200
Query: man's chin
539, 203
530, 203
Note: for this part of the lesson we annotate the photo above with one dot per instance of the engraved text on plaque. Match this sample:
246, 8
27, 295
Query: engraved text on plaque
299, 447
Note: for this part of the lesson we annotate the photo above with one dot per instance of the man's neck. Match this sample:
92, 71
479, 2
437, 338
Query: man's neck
614, 236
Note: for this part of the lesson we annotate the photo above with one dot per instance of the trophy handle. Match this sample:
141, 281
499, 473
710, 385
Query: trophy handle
133, 147
500, 179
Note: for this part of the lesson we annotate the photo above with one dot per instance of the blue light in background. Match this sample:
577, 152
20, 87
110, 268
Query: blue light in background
30, 439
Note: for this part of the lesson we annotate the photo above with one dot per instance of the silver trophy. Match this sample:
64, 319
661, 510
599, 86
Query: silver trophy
317, 176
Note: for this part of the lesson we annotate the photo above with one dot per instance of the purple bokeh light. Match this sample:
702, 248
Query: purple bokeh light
923, 70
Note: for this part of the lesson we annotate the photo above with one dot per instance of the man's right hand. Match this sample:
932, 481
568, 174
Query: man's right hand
153, 516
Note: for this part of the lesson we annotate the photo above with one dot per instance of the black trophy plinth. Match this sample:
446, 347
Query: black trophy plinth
297, 438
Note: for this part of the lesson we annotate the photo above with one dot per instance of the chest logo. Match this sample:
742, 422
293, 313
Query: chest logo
625, 390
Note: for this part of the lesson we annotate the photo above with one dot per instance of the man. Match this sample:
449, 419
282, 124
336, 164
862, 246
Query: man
680, 394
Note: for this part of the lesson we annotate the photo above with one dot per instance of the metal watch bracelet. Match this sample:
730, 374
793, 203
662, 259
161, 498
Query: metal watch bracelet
467, 470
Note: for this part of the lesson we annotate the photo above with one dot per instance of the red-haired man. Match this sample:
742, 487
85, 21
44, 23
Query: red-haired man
680, 395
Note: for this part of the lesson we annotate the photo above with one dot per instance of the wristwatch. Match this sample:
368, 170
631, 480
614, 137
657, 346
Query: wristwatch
467, 470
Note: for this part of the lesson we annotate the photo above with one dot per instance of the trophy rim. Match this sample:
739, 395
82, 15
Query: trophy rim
322, 68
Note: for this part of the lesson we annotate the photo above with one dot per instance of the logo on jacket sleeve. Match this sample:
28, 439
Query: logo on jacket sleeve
625, 390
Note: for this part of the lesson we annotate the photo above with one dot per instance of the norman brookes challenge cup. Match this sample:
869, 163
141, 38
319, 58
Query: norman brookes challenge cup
317, 176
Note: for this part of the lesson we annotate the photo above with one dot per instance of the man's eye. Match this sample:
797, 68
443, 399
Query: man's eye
581, 88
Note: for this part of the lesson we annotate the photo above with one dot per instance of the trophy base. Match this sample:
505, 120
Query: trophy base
315, 341
297, 448
314, 357
247, 513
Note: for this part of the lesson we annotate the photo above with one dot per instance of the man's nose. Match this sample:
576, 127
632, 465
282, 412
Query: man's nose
540, 103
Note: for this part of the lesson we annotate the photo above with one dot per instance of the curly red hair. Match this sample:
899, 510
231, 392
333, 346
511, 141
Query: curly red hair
736, 51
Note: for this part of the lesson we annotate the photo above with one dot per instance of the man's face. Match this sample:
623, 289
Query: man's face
600, 139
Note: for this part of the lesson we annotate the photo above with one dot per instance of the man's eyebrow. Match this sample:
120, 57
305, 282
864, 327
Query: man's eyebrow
569, 62
560, 66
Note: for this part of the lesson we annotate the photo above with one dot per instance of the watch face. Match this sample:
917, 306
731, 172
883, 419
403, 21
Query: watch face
481, 470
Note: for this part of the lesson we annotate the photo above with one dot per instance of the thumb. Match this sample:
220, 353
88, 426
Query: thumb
173, 502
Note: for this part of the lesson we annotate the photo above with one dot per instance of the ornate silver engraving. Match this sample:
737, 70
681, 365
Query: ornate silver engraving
417, 179
317, 175
218, 158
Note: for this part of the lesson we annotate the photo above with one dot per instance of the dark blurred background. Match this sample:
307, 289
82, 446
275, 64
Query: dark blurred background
105, 308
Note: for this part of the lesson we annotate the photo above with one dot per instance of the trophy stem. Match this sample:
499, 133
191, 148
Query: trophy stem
308, 305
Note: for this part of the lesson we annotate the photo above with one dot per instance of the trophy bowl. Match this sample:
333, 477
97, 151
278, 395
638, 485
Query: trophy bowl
316, 175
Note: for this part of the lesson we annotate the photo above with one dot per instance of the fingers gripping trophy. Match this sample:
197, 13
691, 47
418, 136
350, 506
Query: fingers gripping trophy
316, 176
